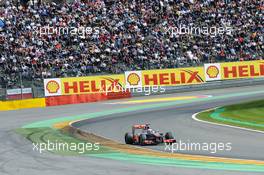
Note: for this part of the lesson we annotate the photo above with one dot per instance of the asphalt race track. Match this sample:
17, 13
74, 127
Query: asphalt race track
17, 156
177, 119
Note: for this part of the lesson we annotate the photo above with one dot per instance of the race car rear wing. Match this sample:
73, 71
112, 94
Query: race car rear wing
139, 126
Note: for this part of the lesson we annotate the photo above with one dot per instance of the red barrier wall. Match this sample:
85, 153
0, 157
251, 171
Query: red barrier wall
84, 98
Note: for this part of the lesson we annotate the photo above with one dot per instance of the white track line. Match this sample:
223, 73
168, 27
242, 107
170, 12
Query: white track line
230, 126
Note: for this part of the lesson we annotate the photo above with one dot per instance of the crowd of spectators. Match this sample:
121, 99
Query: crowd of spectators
124, 35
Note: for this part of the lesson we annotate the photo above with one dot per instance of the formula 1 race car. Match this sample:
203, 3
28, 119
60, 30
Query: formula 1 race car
144, 135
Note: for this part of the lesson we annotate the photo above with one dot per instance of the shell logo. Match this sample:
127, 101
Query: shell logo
133, 79
53, 87
212, 71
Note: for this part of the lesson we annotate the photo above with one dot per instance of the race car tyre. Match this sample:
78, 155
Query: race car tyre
168, 135
128, 138
161, 140
142, 139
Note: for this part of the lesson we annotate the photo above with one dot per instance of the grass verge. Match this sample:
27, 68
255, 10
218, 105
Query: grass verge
247, 115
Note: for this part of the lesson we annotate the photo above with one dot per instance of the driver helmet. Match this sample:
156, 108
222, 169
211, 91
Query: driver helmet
147, 127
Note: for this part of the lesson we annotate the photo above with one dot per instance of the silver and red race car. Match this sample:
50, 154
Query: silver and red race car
144, 135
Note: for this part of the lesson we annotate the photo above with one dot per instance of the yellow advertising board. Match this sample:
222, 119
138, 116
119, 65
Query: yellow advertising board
84, 85
234, 70
160, 77
245, 69
165, 77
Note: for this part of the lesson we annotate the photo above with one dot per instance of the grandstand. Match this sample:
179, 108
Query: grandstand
123, 35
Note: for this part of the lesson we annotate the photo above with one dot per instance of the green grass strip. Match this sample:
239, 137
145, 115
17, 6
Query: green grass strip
248, 115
